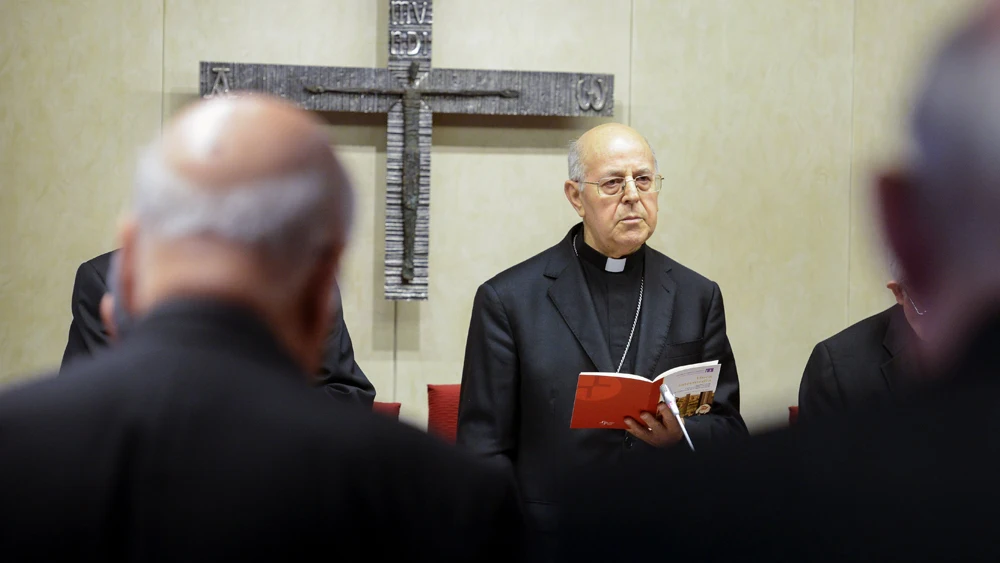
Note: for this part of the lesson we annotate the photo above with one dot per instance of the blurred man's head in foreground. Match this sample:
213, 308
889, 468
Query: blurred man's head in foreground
941, 212
242, 200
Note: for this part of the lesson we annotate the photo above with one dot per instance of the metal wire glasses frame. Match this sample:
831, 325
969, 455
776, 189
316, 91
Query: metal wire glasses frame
614, 185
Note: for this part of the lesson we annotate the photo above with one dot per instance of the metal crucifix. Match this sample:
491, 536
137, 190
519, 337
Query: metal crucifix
410, 92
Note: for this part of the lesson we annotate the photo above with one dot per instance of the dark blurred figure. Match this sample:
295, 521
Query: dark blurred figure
197, 437
913, 482
339, 374
865, 364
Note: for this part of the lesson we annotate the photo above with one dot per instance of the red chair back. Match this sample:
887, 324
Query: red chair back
388, 409
793, 415
442, 410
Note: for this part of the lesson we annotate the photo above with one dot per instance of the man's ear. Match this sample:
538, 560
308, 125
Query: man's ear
575, 196
319, 299
902, 227
897, 290
108, 317
127, 256
318, 307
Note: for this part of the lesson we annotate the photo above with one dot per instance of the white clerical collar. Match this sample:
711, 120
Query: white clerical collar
603, 262
615, 265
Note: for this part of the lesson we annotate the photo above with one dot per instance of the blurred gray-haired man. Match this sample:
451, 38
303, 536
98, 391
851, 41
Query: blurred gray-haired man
198, 437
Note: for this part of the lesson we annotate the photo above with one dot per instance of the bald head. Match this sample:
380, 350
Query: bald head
229, 142
250, 169
243, 199
597, 143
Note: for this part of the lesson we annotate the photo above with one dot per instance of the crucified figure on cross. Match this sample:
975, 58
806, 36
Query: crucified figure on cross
411, 94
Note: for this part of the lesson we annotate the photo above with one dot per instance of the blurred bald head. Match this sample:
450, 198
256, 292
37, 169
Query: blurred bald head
941, 213
241, 199
250, 168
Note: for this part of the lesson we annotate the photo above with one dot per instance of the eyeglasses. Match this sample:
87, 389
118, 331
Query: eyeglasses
615, 185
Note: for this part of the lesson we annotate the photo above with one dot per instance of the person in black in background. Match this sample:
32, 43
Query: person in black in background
91, 330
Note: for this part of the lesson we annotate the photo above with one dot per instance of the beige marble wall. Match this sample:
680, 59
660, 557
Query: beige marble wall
767, 117
79, 89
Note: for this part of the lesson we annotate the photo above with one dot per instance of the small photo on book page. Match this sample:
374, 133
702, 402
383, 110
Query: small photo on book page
694, 388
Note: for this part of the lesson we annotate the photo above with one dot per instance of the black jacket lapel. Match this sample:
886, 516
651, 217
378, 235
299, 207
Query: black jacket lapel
898, 335
571, 297
893, 372
657, 312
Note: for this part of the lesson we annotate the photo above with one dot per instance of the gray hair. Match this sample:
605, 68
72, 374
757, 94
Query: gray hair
956, 138
575, 161
577, 171
289, 219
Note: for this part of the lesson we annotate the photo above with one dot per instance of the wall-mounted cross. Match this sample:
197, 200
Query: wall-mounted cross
410, 92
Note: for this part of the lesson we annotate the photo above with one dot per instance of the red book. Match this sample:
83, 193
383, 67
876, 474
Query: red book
603, 400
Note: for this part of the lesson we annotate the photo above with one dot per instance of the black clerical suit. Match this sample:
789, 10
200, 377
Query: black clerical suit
340, 375
914, 480
861, 365
198, 438
536, 326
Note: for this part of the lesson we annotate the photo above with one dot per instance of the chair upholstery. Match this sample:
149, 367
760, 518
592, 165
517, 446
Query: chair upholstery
442, 410
388, 409
793, 414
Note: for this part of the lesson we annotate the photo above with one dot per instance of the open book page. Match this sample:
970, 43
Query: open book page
693, 386
692, 368
603, 400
